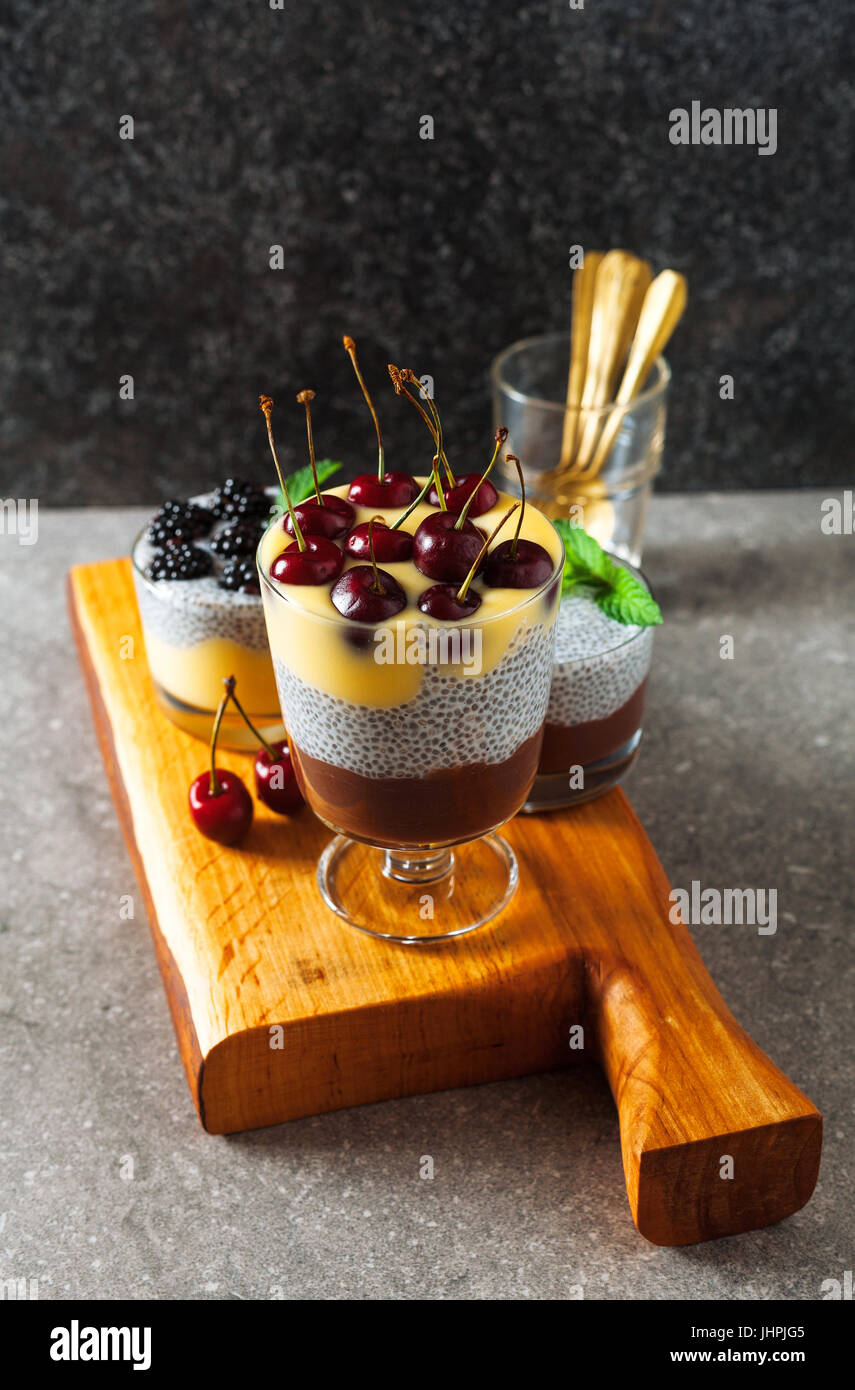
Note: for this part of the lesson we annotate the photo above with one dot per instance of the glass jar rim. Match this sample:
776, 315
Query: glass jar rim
337, 620
497, 366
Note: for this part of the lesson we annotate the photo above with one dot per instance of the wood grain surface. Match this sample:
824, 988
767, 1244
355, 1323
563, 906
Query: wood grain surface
251, 957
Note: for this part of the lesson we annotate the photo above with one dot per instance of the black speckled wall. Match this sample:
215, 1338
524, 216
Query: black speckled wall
299, 126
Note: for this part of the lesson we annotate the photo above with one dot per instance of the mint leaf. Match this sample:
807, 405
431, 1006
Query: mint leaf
301, 484
619, 594
585, 562
627, 601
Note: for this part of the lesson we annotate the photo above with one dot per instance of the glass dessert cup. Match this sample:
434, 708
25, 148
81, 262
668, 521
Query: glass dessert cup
593, 725
529, 381
196, 634
414, 741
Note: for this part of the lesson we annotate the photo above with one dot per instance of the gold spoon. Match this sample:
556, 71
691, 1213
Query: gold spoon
663, 306
580, 331
621, 283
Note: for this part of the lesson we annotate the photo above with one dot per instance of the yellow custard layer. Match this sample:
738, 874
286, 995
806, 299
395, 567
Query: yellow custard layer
195, 674
310, 637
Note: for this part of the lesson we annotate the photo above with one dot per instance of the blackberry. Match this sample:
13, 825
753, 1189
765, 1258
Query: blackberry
179, 521
238, 500
180, 562
240, 573
238, 538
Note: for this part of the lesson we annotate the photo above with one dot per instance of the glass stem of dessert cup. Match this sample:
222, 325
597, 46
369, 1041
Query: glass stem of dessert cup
413, 866
419, 889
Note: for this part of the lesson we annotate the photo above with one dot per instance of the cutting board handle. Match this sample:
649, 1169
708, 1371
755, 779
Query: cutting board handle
715, 1138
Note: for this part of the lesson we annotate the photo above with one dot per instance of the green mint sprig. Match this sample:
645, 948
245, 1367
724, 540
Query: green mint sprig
616, 590
301, 484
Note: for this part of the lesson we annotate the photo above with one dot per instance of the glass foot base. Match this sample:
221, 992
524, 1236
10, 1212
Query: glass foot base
233, 732
552, 790
417, 896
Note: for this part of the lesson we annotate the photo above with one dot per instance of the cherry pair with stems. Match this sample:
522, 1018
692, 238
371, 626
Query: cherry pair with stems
220, 804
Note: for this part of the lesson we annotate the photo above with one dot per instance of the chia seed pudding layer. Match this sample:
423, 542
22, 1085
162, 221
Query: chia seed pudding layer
599, 663
451, 722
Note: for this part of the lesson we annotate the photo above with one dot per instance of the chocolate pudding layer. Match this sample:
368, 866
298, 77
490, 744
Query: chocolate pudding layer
447, 806
579, 745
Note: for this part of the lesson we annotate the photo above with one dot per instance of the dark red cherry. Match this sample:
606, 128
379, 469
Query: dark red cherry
441, 552
275, 781
457, 497
390, 546
332, 518
441, 601
224, 817
396, 490
531, 567
320, 562
356, 597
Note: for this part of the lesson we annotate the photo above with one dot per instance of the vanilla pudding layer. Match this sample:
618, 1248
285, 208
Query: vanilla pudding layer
448, 723
322, 650
599, 663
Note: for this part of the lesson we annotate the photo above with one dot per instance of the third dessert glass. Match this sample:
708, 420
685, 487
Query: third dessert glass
596, 703
414, 737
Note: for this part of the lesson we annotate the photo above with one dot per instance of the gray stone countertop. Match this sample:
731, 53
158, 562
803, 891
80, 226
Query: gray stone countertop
745, 779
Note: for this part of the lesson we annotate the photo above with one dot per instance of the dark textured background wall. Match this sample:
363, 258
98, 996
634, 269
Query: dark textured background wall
300, 126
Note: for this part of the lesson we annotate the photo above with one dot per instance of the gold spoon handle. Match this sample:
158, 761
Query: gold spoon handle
663, 306
621, 285
580, 331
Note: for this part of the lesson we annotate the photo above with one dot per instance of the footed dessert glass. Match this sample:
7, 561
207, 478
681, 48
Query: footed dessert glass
414, 740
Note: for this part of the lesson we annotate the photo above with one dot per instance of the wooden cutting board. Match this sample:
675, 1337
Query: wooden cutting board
282, 1010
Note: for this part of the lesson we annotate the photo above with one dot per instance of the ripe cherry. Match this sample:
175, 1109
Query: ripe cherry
365, 594
319, 561
444, 552
323, 518
456, 497
392, 490
390, 546
443, 601
518, 564
380, 489
275, 780
324, 514
220, 804
528, 568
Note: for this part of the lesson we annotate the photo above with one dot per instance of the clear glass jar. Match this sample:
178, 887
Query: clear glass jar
529, 383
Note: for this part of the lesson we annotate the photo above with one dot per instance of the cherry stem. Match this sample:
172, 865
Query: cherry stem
462, 591
214, 788
350, 349
305, 398
230, 684
437, 482
512, 458
376, 587
266, 403
399, 376
415, 502
500, 437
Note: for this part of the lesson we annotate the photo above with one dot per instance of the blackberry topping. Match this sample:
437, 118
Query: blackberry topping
238, 538
240, 573
180, 561
239, 500
179, 521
